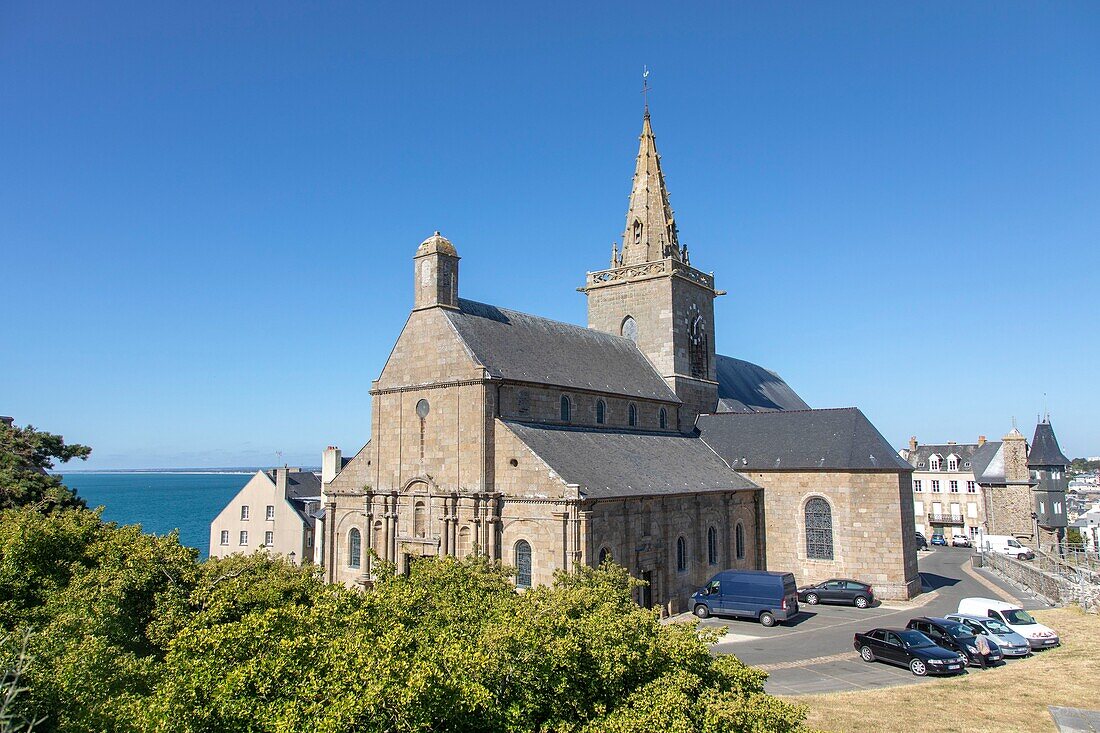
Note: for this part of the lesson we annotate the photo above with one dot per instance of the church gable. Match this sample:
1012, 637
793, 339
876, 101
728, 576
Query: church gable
428, 351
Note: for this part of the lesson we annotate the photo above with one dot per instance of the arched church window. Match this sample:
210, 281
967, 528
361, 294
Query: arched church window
420, 520
605, 554
662, 417
565, 409
819, 529
739, 541
712, 546
629, 329
681, 554
523, 564
355, 548
601, 412
464, 546
633, 416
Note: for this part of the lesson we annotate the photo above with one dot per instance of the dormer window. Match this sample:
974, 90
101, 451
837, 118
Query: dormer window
952, 463
934, 463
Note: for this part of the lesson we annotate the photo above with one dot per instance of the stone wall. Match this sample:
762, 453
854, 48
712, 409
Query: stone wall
642, 533
543, 404
874, 539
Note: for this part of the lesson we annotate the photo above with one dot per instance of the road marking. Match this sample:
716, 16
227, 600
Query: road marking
844, 656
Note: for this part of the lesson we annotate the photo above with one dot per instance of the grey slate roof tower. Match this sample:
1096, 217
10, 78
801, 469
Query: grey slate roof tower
1049, 470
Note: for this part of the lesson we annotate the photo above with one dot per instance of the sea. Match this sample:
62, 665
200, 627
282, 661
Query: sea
161, 501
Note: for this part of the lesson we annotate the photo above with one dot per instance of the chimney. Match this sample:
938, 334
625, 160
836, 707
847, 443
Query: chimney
981, 440
912, 443
280, 480
330, 464
1015, 455
951, 442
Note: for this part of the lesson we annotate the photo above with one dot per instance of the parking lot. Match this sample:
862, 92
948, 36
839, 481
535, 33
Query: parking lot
813, 652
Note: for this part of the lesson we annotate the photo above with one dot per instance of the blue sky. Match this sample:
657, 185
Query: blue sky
208, 210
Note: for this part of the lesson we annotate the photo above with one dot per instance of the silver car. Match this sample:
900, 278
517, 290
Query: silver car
1011, 643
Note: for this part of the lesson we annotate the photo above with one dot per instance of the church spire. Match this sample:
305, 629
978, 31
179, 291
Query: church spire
650, 227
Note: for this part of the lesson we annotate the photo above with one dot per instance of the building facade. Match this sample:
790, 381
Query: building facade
544, 445
274, 512
946, 497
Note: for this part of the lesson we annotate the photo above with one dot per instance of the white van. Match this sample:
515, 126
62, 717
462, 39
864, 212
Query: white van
1012, 616
1006, 545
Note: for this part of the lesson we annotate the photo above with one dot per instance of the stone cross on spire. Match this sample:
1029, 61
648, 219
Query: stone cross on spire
650, 227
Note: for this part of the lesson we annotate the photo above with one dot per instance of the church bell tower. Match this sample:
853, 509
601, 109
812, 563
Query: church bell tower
652, 295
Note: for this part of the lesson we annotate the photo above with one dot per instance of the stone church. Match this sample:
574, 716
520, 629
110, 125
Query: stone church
544, 444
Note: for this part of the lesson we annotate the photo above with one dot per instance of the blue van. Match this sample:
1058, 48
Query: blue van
767, 596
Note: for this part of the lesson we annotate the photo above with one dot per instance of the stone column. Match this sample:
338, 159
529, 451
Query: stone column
368, 507
445, 544
330, 541
387, 528
395, 518
492, 522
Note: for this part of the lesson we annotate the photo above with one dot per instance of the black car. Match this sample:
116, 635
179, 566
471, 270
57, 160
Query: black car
957, 637
908, 648
838, 590
922, 543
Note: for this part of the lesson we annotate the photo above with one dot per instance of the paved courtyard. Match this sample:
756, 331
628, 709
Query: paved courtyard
813, 653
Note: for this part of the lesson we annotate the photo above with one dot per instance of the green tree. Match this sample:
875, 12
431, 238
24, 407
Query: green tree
452, 646
26, 456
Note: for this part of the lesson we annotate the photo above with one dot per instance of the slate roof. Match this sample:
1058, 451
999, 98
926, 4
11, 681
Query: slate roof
747, 387
300, 485
833, 439
918, 459
521, 347
614, 463
988, 463
1045, 450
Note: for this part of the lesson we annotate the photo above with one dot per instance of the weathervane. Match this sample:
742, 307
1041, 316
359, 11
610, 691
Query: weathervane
645, 88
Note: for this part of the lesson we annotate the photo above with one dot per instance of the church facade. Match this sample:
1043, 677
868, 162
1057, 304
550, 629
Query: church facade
545, 445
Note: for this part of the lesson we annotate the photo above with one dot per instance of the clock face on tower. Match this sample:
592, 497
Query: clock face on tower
698, 348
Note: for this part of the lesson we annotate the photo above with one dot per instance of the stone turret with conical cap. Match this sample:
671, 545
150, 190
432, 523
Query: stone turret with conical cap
650, 225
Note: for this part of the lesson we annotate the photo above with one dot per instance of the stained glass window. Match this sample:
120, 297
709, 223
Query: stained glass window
523, 564
819, 529
739, 541
355, 548
681, 554
712, 546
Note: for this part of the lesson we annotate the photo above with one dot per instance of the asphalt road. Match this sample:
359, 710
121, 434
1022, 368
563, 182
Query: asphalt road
813, 652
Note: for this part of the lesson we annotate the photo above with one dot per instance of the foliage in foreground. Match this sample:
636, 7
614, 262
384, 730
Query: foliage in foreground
126, 631
131, 633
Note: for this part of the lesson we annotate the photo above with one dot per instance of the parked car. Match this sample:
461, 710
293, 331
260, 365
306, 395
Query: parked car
960, 540
838, 590
910, 649
922, 543
957, 637
1012, 616
1011, 643
938, 539
1006, 545
770, 597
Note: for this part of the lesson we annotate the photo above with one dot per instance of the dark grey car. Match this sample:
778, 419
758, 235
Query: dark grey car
838, 590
